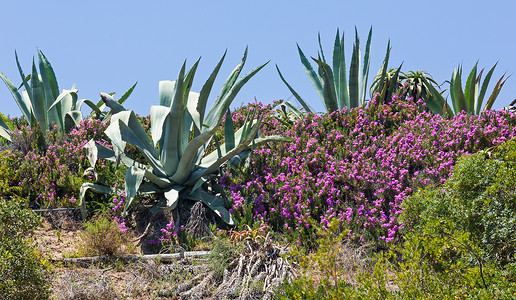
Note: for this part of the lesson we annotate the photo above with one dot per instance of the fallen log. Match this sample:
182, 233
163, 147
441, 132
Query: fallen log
131, 257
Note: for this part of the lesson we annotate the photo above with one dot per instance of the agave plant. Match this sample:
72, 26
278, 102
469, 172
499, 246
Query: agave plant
177, 166
469, 99
41, 103
332, 85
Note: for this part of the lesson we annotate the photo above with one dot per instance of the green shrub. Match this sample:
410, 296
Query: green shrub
458, 240
24, 274
103, 236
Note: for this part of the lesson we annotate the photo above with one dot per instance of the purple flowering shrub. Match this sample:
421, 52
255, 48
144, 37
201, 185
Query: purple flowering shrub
50, 177
356, 166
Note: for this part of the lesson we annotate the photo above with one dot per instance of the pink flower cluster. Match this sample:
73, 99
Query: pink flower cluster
50, 177
358, 166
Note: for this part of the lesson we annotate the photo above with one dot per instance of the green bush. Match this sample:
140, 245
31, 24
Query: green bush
458, 240
103, 236
24, 274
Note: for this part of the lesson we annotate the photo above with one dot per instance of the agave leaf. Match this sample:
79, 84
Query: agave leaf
456, 92
383, 71
171, 196
96, 150
229, 131
330, 98
314, 79
240, 135
185, 163
72, 119
205, 92
339, 71
296, 95
94, 187
127, 94
217, 204
198, 184
191, 106
230, 81
5, 131
393, 85
189, 81
113, 130
166, 92
92, 105
25, 80
133, 179
495, 93
110, 102
151, 154
220, 106
367, 62
17, 97
38, 99
249, 122
170, 141
91, 152
214, 166
48, 72
322, 58
293, 109
435, 101
66, 100
51, 91
471, 90
483, 89
158, 115
354, 74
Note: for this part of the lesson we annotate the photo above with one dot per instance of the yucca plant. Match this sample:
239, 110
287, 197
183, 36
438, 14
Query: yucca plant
332, 85
177, 167
405, 85
469, 99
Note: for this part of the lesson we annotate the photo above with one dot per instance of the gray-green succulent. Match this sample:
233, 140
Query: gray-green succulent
332, 85
177, 166
41, 103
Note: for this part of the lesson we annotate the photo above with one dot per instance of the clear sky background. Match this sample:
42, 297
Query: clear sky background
106, 46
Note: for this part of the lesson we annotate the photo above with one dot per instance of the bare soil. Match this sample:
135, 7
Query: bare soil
253, 275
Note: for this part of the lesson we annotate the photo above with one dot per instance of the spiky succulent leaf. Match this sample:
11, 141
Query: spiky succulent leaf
296, 95
133, 179
217, 204
330, 98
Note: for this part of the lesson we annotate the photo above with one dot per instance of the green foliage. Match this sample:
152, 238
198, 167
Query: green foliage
41, 103
222, 252
403, 85
327, 273
24, 274
103, 236
176, 167
458, 240
50, 178
331, 83
476, 208
469, 99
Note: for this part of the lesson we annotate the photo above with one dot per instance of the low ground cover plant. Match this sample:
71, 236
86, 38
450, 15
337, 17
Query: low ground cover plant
357, 166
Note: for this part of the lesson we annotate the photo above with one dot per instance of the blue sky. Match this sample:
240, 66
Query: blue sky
106, 46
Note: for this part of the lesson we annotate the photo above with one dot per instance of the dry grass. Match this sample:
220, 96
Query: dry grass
102, 236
